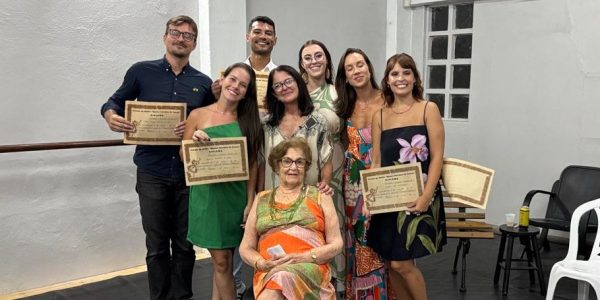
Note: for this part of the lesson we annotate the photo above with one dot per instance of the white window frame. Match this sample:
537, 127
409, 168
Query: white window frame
451, 33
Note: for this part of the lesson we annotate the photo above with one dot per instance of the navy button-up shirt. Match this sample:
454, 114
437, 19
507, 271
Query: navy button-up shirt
155, 81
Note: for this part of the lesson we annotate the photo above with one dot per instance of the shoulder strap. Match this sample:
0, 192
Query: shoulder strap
424, 110
380, 119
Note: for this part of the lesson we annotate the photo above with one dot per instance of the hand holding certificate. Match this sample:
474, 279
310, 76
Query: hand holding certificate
217, 160
154, 122
391, 188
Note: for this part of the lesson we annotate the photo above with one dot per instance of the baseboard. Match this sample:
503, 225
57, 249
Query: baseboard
200, 255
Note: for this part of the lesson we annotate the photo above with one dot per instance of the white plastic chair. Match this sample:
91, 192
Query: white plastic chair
587, 272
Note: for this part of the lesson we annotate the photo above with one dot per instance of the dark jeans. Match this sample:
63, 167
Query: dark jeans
170, 257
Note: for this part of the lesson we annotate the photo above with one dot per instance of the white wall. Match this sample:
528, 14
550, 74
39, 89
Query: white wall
339, 24
67, 214
535, 89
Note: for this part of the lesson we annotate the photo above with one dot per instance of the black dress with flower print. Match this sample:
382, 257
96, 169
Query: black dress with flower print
395, 235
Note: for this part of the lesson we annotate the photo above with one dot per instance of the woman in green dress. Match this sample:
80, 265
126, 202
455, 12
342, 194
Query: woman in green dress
314, 63
218, 211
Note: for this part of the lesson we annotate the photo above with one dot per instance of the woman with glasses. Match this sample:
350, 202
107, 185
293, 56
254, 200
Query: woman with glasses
218, 211
290, 113
314, 63
292, 231
358, 99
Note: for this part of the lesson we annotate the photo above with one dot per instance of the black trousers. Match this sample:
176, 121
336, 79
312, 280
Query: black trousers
170, 257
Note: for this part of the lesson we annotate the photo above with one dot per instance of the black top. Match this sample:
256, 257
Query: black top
155, 81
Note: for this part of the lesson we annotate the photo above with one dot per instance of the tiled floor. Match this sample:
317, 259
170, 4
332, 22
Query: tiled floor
441, 283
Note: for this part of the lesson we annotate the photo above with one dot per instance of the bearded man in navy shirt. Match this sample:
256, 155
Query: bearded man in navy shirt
160, 184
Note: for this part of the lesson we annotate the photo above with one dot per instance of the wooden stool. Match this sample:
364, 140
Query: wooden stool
528, 238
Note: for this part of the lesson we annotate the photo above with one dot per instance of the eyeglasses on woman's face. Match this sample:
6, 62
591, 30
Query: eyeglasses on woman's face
317, 57
287, 162
278, 86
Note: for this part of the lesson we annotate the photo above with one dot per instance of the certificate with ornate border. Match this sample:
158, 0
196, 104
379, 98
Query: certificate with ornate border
391, 188
466, 182
218, 160
262, 79
153, 122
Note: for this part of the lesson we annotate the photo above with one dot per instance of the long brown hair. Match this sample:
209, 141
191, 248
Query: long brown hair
344, 105
407, 62
346, 94
328, 66
247, 114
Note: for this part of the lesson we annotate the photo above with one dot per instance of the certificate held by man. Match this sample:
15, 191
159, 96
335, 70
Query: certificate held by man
154, 122
217, 160
391, 188
262, 78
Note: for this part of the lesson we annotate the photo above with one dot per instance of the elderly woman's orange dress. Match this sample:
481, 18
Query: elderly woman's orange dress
297, 227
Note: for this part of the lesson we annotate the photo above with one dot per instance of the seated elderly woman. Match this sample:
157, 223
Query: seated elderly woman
292, 231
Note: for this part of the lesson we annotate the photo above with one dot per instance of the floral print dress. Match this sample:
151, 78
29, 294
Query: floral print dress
395, 235
365, 274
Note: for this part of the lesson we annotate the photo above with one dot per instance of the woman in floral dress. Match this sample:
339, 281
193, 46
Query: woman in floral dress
408, 130
358, 99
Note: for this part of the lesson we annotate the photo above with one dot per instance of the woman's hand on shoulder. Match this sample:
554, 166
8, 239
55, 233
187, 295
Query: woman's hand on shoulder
325, 188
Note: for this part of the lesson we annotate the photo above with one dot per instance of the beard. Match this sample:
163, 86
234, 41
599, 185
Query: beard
180, 52
261, 51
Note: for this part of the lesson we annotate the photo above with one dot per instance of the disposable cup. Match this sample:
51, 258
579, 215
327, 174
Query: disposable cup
510, 219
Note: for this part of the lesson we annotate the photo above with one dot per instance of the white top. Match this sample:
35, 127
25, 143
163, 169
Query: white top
270, 66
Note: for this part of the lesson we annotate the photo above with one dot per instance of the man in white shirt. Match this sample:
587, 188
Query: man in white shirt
262, 38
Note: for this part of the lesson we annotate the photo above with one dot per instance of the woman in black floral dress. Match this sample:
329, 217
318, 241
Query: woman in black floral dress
409, 129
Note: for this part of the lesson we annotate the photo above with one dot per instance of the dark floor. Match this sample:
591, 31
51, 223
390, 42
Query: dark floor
441, 283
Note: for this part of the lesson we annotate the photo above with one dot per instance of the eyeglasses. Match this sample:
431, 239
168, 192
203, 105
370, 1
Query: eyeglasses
187, 36
287, 83
317, 57
287, 162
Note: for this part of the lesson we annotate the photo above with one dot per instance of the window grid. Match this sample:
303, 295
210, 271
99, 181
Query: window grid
451, 33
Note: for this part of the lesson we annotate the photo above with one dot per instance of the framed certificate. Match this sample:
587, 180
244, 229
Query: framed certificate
391, 188
219, 160
154, 122
466, 182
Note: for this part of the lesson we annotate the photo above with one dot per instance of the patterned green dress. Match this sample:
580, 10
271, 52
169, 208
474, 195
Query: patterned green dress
323, 99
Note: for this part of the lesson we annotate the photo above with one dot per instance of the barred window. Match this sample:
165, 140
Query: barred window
449, 35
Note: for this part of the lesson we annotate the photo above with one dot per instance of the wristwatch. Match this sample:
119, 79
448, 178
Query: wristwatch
313, 255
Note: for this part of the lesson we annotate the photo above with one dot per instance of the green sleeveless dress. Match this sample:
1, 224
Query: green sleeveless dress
216, 210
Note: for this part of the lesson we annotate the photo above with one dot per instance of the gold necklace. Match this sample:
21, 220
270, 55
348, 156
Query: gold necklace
221, 112
401, 112
278, 213
289, 195
362, 105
